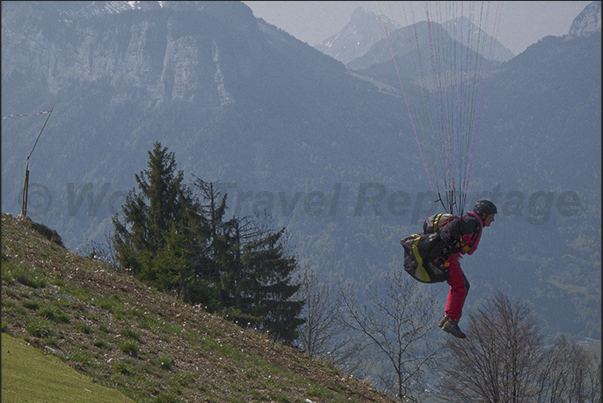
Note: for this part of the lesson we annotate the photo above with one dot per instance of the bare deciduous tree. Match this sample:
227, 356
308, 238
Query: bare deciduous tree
396, 327
569, 374
503, 359
322, 335
320, 314
498, 360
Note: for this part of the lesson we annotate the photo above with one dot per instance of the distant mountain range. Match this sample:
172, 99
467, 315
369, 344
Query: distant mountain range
357, 37
326, 149
365, 29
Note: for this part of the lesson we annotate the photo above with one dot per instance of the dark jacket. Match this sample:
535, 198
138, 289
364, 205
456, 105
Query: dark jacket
464, 233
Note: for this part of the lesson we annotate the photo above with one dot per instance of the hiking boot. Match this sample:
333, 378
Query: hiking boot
443, 321
452, 327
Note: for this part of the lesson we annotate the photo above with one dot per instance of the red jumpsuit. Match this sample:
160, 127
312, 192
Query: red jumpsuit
459, 286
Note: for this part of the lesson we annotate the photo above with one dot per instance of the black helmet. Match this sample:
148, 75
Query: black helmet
485, 206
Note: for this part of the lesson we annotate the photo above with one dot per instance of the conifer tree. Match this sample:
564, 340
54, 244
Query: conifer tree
214, 208
261, 289
164, 231
235, 266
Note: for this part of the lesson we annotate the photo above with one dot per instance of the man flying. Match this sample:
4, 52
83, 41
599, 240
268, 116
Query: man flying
465, 233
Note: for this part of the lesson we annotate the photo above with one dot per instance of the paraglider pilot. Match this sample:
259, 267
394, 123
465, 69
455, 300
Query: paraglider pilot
465, 233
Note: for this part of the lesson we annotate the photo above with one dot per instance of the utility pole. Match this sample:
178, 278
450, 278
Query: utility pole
26, 184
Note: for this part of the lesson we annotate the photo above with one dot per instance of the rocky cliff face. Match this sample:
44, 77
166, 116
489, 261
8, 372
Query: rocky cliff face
197, 76
587, 22
158, 51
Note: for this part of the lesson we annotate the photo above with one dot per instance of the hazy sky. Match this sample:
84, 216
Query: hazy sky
522, 23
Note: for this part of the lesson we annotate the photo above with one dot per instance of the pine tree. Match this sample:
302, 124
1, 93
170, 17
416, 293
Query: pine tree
178, 244
251, 269
164, 232
219, 255
260, 288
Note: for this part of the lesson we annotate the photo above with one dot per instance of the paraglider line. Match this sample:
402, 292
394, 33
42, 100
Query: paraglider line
406, 101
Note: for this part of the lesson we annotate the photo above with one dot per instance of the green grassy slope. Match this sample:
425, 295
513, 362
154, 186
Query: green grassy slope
120, 334
32, 375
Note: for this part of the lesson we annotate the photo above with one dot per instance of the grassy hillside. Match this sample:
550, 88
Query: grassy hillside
30, 374
145, 344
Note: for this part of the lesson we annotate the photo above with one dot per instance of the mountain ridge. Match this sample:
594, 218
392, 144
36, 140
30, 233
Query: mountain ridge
366, 29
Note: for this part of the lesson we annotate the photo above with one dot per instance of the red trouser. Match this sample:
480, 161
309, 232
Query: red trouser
459, 287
